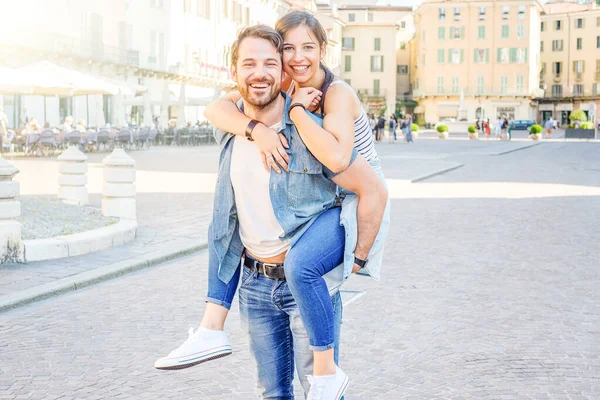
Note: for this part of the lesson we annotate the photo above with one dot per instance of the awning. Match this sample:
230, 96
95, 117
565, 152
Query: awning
419, 110
447, 111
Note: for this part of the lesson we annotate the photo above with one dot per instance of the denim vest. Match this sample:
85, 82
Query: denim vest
297, 197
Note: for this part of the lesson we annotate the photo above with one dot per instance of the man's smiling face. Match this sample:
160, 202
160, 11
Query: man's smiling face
258, 72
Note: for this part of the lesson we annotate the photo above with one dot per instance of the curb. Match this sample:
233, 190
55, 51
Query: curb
97, 275
436, 173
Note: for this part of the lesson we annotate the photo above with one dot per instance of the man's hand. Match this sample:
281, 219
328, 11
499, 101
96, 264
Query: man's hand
272, 147
309, 97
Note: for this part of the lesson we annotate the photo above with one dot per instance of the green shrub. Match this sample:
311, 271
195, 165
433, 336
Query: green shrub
536, 129
472, 129
571, 126
578, 115
586, 125
420, 120
442, 128
414, 128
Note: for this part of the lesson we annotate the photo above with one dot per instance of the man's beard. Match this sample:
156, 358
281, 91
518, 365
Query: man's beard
260, 101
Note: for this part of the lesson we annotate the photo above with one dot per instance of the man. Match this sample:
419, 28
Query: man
268, 311
380, 128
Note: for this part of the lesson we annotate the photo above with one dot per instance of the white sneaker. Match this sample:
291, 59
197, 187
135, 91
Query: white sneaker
201, 346
330, 387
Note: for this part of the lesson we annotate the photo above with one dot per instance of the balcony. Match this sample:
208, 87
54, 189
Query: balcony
480, 92
369, 94
598, 76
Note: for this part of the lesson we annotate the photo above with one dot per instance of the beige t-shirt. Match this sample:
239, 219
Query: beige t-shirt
259, 229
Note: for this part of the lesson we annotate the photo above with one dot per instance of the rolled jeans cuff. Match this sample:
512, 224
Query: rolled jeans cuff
321, 348
218, 302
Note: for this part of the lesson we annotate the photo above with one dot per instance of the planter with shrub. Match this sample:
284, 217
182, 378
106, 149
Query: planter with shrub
414, 128
535, 132
579, 128
442, 131
473, 134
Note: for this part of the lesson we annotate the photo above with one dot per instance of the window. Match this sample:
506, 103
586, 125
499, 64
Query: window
543, 26
543, 70
520, 83
442, 14
557, 45
375, 86
351, 17
440, 84
503, 55
455, 56
402, 69
481, 32
441, 33
578, 66
597, 21
481, 56
505, 12
503, 84
579, 43
578, 90
457, 33
579, 23
440, 56
521, 14
403, 25
347, 43
348, 82
370, 17
521, 56
557, 68
541, 46
347, 63
480, 83
520, 31
402, 45
457, 14
598, 42
455, 84
557, 25
481, 13
376, 63
556, 90
595, 89
504, 31
377, 44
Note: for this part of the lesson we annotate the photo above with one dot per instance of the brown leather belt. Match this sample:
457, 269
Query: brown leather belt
271, 271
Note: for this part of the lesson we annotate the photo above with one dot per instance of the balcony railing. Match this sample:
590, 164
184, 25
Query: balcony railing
479, 92
371, 92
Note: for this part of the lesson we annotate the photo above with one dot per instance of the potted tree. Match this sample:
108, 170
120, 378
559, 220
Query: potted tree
535, 132
473, 134
578, 128
442, 131
414, 128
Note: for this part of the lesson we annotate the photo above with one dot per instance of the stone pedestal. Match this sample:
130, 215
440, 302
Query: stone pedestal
119, 186
72, 179
11, 245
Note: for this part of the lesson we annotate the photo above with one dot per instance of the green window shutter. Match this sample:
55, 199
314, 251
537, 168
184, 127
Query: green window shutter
526, 60
499, 55
381, 63
449, 56
474, 55
487, 55
462, 32
462, 54
483, 32
440, 56
441, 33
347, 63
372, 63
512, 55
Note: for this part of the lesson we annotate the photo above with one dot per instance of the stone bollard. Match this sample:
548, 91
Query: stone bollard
11, 245
72, 179
119, 186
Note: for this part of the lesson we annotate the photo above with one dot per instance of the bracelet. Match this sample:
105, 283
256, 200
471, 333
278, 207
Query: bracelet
295, 105
250, 128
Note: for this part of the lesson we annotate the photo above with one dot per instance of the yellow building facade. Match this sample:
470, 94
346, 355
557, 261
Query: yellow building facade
570, 60
476, 59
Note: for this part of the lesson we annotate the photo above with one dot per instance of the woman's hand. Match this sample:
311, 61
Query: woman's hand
272, 147
309, 97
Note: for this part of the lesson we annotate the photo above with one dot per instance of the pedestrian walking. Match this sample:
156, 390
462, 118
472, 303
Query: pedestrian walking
392, 128
380, 128
486, 129
408, 129
549, 125
498, 127
373, 124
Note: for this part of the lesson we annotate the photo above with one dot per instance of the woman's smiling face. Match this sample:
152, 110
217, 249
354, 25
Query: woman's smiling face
301, 54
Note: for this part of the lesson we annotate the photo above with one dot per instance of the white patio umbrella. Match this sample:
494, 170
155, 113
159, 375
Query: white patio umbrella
15, 81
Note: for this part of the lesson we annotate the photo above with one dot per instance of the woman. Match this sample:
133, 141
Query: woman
345, 126
486, 129
408, 129
392, 128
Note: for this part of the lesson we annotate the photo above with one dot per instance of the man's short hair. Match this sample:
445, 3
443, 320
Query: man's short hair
256, 31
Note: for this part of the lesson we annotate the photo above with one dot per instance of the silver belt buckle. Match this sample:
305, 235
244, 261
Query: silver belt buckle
267, 268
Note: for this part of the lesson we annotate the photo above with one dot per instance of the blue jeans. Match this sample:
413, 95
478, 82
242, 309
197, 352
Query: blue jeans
317, 252
277, 337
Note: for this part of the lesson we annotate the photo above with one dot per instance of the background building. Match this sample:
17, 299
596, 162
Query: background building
570, 55
477, 59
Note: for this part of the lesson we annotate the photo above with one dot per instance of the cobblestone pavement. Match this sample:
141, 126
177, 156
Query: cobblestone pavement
481, 298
